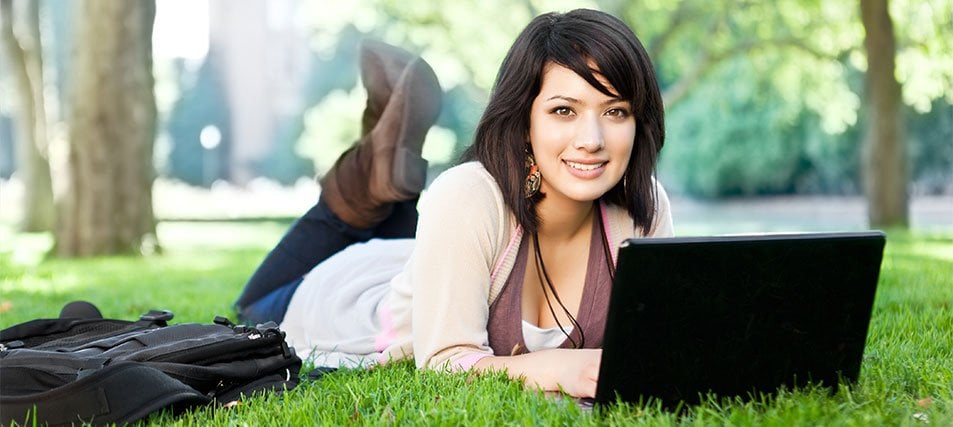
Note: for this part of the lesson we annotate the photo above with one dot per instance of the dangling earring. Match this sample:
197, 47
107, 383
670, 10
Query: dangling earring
533, 179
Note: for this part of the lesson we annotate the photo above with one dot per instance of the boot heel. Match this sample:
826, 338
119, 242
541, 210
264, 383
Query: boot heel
410, 173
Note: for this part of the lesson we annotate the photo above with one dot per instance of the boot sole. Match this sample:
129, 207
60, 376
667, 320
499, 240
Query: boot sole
376, 60
418, 112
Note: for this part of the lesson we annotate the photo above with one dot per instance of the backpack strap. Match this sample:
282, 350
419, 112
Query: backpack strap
61, 331
108, 395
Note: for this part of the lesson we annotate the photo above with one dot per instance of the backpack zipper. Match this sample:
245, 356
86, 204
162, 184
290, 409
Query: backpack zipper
10, 345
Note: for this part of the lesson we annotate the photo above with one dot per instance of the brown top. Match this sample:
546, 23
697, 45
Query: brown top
505, 328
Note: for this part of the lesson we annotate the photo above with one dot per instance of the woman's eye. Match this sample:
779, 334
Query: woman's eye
562, 111
618, 113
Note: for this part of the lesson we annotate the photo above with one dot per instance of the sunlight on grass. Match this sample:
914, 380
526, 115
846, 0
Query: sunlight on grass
201, 271
938, 249
53, 284
917, 271
24, 248
225, 235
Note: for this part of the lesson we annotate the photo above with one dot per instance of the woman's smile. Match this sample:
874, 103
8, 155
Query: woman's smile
586, 169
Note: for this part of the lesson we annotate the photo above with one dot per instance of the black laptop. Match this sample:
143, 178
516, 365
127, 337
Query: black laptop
737, 315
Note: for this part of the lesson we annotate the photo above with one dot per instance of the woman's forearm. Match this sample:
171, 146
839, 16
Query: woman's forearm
575, 372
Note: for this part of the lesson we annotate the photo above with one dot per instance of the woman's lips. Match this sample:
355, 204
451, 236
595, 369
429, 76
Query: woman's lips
585, 169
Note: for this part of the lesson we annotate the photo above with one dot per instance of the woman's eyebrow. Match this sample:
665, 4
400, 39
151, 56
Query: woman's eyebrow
565, 98
610, 101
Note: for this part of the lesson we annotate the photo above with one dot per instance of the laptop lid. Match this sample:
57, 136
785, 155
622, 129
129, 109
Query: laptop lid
736, 315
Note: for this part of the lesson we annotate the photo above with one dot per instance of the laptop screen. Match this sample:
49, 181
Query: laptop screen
737, 315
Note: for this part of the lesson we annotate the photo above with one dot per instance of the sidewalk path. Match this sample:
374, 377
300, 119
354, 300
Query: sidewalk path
798, 213
264, 199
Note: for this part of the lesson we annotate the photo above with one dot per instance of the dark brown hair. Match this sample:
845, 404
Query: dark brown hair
572, 40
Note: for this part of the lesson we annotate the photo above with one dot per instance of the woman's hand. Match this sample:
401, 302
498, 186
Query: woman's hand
574, 371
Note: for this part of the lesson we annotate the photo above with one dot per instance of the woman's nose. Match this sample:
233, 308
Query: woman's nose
589, 136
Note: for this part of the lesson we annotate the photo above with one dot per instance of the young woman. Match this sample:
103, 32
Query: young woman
510, 263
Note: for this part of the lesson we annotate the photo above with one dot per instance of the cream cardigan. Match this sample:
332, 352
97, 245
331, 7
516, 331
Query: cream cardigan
437, 307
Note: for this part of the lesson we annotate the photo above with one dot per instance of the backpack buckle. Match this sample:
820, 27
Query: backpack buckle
157, 316
224, 321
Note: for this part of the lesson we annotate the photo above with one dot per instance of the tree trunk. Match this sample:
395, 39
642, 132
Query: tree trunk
24, 53
107, 208
885, 157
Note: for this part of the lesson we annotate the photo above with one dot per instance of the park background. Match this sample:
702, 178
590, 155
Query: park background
152, 152
229, 109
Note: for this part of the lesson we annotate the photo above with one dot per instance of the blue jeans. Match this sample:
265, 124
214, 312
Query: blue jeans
313, 238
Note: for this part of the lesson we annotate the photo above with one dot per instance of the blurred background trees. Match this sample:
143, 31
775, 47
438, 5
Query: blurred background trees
762, 98
885, 151
21, 45
106, 204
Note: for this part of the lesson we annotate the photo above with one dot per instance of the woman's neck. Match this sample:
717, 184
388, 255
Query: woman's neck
564, 219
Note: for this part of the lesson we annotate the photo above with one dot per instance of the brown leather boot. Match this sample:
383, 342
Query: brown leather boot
385, 165
381, 67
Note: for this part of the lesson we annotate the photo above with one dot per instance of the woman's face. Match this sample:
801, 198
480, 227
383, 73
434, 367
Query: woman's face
581, 138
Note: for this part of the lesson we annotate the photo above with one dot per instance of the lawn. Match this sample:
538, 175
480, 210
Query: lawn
906, 378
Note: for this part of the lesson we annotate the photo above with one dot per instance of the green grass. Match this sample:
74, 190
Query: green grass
907, 373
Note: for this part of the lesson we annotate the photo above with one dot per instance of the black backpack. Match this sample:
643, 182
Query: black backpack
68, 370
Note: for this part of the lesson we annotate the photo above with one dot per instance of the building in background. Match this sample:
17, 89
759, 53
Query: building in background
240, 67
265, 65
